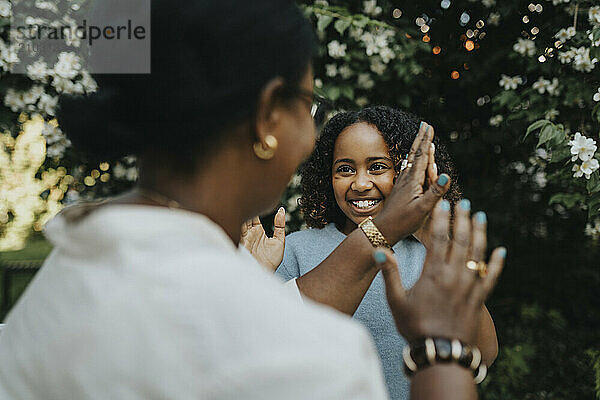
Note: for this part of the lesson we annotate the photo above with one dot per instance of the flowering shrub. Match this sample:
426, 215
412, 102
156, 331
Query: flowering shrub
560, 82
38, 90
27, 199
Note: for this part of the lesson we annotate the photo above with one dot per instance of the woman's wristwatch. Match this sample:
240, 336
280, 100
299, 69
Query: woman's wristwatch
373, 234
425, 352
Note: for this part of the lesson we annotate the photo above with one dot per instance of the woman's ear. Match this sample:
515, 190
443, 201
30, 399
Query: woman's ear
268, 113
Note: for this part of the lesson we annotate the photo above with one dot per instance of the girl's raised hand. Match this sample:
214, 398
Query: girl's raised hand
268, 251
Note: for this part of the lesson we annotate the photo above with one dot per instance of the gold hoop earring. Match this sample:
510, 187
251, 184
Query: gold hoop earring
266, 151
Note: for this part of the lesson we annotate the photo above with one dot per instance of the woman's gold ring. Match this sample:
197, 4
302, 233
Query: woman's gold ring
478, 266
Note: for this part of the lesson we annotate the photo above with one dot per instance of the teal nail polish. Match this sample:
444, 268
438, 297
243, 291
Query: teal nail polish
502, 252
443, 179
379, 256
480, 217
465, 204
421, 125
445, 205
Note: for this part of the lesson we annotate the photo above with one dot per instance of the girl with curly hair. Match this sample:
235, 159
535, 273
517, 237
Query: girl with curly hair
347, 179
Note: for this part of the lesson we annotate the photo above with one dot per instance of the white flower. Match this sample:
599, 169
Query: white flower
48, 104
540, 179
318, 83
331, 70
68, 65
119, 171
551, 114
582, 60
364, 81
377, 66
371, 8
594, 15
14, 100
88, 83
488, 3
131, 174
588, 167
4, 9
38, 71
33, 94
67, 86
496, 120
494, 19
594, 43
552, 87
578, 172
509, 83
593, 230
321, 3
565, 34
582, 147
368, 40
597, 95
525, 47
355, 32
541, 85
386, 54
336, 49
8, 54
345, 71
541, 153
566, 56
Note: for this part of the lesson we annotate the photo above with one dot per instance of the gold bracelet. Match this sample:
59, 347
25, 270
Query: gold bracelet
373, 234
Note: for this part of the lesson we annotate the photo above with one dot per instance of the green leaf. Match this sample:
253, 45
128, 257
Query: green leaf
547, 134
360, 21
594, 206
323, 22
342, 24
560, 154
535, 126
347, 92
593, 184
569, 200
333, 93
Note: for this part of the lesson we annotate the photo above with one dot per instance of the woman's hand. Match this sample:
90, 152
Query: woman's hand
268, 251
416, 191
447, 300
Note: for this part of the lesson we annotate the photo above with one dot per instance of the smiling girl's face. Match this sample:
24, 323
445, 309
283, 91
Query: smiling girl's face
362, 173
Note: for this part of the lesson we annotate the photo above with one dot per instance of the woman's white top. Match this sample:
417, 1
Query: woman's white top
139, 302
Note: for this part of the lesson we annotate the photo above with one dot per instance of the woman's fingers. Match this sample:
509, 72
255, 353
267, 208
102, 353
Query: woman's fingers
477, 248
439, 237
494, 268
386, 262
435, 191
478, 236
279, 224
461, 240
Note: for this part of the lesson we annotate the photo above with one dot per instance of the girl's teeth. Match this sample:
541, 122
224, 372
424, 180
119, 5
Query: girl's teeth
365, 203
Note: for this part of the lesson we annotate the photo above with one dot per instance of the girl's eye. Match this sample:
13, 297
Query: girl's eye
344, 169
378, 167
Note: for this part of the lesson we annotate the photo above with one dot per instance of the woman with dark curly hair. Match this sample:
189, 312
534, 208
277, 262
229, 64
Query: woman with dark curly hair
347, 179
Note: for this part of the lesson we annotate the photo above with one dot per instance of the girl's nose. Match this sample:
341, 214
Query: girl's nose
361, 183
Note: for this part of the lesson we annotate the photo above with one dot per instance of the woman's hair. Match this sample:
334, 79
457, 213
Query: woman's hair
398, 129
210, 59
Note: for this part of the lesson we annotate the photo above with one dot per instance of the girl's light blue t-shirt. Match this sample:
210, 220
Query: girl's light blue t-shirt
306, 249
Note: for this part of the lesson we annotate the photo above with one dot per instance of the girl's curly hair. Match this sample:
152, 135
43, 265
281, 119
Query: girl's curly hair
398, 128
